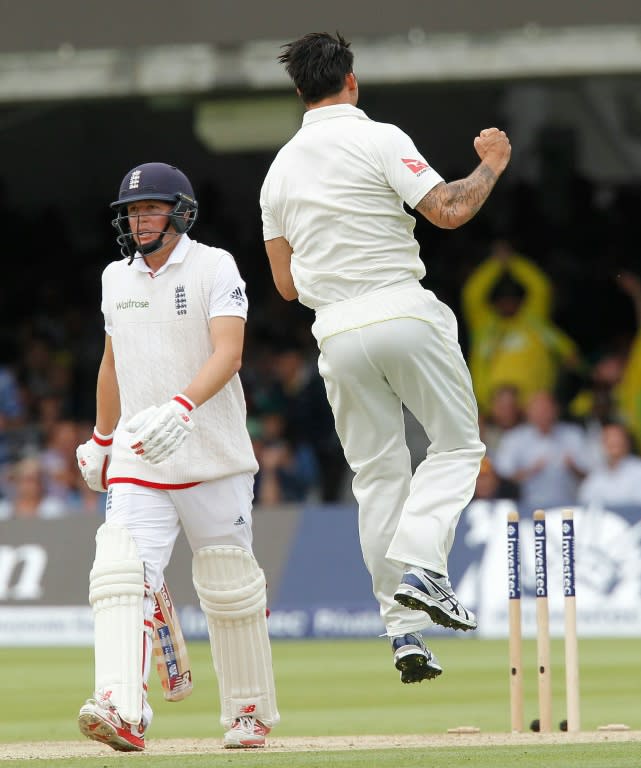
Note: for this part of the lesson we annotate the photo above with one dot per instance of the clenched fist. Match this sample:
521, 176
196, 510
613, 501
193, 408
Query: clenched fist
493, 147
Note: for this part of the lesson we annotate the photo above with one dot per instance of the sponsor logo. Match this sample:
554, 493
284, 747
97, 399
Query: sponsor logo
132, 304
21, 572
180, 299
415, 166
240, 521
248, 709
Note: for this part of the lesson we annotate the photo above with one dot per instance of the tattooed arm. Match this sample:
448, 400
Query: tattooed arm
449, 205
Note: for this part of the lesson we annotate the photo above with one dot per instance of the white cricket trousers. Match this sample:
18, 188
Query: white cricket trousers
211, 513
369, 372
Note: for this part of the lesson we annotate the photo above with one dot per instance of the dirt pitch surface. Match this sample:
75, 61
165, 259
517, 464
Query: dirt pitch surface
62, 749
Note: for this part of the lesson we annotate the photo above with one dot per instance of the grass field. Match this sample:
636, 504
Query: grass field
334, 688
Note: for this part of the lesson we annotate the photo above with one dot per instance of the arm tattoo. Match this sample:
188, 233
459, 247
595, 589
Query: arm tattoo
450, 205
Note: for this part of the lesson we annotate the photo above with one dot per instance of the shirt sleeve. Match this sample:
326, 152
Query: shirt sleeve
227, 296
406, 170
271, 226
103, 306
108, 323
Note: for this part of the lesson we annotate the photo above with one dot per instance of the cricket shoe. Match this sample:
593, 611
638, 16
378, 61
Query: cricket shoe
423, 590
99, 720
413, 659
247, 732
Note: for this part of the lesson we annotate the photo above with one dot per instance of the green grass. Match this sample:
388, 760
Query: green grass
570, 756
328, 688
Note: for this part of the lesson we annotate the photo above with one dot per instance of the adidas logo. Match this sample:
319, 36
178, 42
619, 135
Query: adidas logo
237, 296
240, 521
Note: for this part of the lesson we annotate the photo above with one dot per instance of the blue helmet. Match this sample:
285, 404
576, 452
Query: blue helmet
154, 181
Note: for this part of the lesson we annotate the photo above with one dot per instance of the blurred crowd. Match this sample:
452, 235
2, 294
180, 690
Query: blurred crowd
560, 415
560, 428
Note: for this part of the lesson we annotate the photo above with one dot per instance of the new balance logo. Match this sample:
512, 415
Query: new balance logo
240, 521
415, 166
237, 296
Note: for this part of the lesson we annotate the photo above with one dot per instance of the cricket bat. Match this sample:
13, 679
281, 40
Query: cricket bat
170, 651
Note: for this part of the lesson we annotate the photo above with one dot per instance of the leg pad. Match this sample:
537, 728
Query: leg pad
116, 592
232, 592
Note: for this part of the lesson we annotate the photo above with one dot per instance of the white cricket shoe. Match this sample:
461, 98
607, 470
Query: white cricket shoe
99, 720
423, 590
247, 732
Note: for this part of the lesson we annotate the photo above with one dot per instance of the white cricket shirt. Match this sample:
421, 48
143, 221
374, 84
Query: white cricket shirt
159, 327
618, 485
335, 192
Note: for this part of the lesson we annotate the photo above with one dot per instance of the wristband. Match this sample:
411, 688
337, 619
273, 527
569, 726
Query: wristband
185, 402
103, 440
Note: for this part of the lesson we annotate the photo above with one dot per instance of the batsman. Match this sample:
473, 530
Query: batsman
171, 448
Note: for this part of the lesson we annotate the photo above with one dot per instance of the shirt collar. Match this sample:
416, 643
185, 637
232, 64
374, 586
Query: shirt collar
177, 256
333, 110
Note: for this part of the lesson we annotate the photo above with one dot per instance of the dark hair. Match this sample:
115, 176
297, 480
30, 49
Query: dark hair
317, 63
506, 286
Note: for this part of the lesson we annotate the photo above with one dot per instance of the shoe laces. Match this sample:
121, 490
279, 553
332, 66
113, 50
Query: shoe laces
244, 723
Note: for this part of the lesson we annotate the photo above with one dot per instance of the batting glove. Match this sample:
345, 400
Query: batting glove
93, 460
159, 432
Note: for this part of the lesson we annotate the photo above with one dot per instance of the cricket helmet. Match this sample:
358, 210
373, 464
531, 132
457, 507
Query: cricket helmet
154, 181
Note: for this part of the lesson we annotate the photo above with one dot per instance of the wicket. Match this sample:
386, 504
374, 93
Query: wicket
514, 616
542, 623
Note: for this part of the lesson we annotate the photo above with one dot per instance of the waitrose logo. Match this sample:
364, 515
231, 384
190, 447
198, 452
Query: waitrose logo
132, 304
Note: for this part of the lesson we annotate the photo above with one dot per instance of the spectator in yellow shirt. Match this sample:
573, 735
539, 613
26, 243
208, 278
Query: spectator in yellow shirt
513, 342
628, 392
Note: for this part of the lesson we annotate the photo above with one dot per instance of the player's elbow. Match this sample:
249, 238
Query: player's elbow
235, 364
287, 289
449, 224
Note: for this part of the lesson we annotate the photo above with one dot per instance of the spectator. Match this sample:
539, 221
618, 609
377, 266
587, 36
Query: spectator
598, 404
504, 413
309, 419
286, 473
506, 305
11, 408
489, 486
629, 390
619, 481
29, 498
544, 457
34, 370
59, 463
